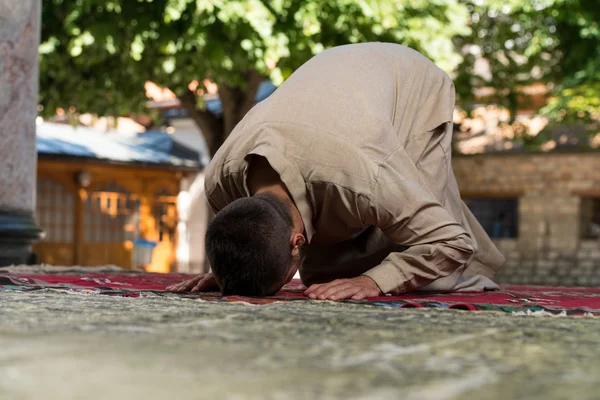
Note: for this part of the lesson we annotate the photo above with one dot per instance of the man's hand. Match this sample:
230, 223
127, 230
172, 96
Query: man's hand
356, 288
196, 284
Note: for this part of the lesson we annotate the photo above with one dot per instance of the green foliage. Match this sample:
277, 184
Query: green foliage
520, 42
96, 54
87, 58
525, 41
577, 93
427, 26
516, 40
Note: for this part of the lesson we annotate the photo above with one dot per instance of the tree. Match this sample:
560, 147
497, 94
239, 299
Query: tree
515, 40
578, 32
96, 54
556, 42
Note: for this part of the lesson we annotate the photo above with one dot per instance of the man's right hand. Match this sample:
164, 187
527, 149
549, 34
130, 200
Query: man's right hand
199, 283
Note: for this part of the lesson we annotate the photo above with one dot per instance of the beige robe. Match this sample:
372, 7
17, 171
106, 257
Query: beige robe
361, 136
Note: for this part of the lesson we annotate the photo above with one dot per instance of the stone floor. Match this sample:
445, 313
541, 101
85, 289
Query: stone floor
65, 346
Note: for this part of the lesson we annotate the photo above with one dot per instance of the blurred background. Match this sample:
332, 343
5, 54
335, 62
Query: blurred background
136, 95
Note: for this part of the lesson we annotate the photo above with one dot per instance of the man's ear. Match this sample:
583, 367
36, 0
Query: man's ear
297, 241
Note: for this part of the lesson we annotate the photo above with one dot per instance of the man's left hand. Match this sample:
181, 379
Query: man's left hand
355, 288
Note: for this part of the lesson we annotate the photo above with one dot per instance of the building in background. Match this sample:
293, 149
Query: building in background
541, 209
112, 198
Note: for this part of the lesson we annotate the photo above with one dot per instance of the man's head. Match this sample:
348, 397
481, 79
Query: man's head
252, 247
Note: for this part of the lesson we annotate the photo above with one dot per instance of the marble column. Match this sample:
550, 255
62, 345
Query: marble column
19, 39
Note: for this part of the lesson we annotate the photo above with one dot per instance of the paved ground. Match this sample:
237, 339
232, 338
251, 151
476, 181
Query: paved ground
65, 346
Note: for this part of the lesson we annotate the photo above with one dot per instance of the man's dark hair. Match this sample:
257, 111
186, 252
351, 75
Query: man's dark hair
248, 246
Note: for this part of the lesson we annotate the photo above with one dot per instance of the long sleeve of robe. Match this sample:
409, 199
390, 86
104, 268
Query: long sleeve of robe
361, 137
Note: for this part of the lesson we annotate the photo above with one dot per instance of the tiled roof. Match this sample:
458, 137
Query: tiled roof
136, 148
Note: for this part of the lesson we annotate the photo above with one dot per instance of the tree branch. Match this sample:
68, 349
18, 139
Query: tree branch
236, 102
268, 6
230, 102
254, 81
209, 125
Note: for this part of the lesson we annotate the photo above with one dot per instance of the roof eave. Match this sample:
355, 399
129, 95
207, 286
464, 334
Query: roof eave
103, 161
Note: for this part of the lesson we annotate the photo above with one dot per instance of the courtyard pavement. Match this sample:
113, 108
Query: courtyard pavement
71, 346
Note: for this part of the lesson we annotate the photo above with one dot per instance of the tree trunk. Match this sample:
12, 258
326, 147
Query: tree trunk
210, 126
235, 102
513, 105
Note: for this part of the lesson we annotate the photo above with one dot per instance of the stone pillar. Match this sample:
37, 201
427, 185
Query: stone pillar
19, 39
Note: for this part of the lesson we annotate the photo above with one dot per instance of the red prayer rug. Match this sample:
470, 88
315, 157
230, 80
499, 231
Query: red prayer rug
513, 299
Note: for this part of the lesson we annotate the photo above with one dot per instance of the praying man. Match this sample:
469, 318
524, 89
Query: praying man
344, 174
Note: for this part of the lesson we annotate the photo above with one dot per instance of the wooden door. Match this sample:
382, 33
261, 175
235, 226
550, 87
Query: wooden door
165, 215
55, 214
111, 223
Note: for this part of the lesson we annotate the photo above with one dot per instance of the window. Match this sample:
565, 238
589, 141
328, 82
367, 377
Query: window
590, 218
111, 215
498, 217
55, 211
165, 213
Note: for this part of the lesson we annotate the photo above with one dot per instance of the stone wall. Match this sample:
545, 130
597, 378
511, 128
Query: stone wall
549, 248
